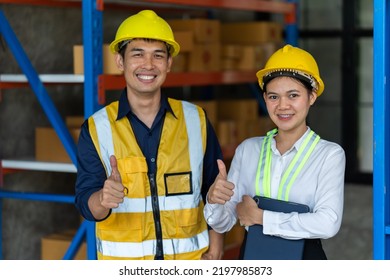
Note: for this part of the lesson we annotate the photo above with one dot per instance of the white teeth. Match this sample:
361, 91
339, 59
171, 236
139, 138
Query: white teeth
144, 77
284, 116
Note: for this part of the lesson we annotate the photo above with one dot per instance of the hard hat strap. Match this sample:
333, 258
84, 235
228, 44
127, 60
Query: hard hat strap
122, 44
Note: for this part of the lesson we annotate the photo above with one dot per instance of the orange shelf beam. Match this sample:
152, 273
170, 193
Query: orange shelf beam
249, 5
112, 82
50, 3
117, 82
246, 5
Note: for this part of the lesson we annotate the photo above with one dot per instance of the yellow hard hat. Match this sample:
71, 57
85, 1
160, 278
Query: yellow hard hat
295, 62
146, 24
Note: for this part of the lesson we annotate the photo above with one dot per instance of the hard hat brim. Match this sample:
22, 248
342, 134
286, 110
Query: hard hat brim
261, 73
174, 50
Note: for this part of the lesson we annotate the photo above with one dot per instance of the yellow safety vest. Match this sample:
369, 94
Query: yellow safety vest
130, 231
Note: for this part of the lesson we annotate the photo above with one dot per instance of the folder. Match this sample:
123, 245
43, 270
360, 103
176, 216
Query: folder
259, 246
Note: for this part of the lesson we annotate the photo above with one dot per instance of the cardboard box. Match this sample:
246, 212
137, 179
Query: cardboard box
231, 51
48, 146
252, 32
74, 121
267, 49
204, 58
251, 59
180, 63
204, 30
211, 108
54, 246
229, 64
253, 128
227, 133
238, 109
109, 64
185, 39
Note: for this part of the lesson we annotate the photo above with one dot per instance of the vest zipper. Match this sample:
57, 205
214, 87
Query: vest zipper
156, 215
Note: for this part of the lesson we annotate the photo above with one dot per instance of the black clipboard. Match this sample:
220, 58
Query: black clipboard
259, 246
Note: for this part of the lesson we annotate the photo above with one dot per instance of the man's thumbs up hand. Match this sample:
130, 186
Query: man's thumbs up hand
115, 175
113, 191
222, 190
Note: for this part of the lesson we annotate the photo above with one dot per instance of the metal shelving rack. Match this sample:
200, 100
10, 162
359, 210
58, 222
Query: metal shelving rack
381, 191
95, 83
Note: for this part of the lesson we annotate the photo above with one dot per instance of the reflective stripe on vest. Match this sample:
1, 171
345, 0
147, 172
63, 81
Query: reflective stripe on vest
184, 209
263, 173
147, 248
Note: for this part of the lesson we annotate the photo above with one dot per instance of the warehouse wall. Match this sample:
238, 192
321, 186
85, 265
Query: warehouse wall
47, 36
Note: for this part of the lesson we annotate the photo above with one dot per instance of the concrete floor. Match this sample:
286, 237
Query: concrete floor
355, 239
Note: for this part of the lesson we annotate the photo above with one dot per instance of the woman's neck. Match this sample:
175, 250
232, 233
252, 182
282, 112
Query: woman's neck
286, 139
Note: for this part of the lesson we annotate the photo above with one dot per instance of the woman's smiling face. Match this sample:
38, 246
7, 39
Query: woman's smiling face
288, 102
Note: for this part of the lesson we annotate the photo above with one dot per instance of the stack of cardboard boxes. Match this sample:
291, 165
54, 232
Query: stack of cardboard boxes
204, 56
210, 45
247, 45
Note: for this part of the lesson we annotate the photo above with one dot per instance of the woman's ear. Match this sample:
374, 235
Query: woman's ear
313, 97
119, 61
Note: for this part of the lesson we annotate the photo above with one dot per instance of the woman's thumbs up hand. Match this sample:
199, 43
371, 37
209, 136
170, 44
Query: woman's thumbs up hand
221, 190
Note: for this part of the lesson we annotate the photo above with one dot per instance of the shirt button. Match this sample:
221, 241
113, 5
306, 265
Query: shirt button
152, 159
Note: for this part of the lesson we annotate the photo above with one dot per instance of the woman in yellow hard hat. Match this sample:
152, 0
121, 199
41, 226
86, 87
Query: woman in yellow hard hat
146, 162
290, 165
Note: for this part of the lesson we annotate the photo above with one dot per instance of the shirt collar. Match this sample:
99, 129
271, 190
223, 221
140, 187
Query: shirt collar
124, 106
296, 145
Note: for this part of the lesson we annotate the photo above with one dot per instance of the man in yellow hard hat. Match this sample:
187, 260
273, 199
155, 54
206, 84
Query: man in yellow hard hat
146, 162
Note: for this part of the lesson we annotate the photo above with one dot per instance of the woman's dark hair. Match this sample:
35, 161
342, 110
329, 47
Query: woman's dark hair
296, 76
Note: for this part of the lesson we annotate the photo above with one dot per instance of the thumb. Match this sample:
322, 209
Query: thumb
222, 169
115, 175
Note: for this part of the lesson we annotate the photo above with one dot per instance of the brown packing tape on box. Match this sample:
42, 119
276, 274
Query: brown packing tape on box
205, 58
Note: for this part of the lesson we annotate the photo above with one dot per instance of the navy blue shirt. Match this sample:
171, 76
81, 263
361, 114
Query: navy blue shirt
90, 170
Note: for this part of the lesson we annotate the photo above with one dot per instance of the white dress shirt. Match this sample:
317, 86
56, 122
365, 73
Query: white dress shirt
320, 185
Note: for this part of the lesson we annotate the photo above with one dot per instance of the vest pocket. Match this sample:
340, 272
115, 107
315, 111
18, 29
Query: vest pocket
121, 227
134, 175
188, 222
